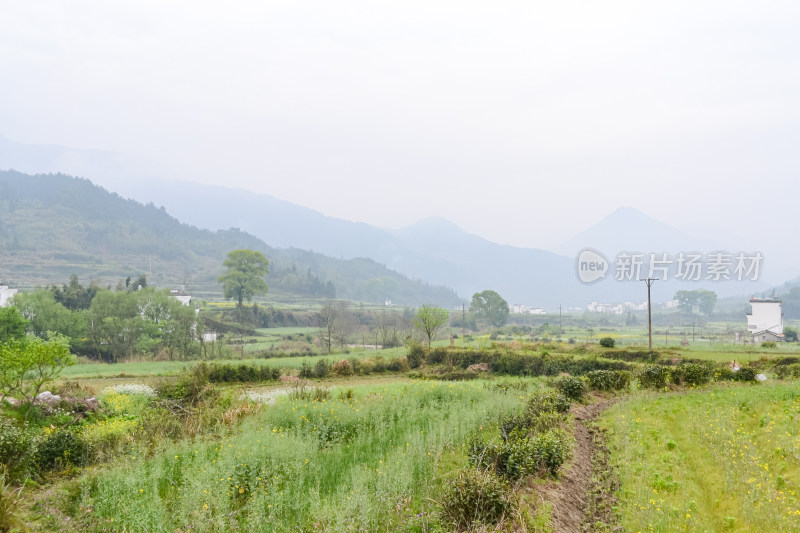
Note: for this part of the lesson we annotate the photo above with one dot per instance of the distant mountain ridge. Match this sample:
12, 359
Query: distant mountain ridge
54, 225
434, 250
628, 229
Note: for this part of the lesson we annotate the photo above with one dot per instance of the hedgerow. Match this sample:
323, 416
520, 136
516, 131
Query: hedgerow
609, 380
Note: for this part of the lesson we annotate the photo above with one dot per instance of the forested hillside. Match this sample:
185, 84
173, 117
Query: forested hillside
54, 225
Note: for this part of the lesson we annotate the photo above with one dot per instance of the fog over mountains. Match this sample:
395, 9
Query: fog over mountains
433, 250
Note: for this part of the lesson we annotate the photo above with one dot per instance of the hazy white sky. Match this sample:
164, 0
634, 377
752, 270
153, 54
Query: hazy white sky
523, 122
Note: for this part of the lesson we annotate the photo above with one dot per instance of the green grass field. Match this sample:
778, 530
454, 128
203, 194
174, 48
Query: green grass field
371, 462
722, 458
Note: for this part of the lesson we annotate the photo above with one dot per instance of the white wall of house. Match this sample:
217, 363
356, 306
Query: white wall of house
6, 294
767, 315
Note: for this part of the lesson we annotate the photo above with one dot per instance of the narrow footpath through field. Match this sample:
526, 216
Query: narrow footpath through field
578, 500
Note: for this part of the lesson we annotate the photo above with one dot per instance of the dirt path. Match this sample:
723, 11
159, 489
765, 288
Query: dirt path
575, 497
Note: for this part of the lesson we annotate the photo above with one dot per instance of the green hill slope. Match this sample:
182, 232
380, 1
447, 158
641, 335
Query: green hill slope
54, 225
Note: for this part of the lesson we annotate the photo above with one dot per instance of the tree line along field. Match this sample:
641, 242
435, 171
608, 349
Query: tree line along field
431, 444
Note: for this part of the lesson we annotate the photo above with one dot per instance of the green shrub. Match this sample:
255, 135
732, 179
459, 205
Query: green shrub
474, 498
16, 447
398, 364
788, 371
769, 344
552, 448
571, 387
191, 387
61, 449
379, 365
416, 354
745, 374
222, 373
322, 369
436, 356
547, 402
653, 377
607, 342
691, 374
641, 356
523, 455
306, 372
609, 380
523, 424
357, 367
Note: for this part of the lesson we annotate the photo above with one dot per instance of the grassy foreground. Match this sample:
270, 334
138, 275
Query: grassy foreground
724, 458
373, 460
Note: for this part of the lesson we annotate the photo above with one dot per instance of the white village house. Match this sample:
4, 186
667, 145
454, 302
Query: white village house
181, 296
6, 294
765, 320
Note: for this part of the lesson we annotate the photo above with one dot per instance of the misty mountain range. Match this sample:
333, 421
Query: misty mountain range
433, 250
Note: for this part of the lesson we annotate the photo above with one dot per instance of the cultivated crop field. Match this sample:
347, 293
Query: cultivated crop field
486, 436
362, 458
722, 458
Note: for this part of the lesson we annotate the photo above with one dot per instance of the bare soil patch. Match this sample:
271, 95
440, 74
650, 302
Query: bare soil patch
581, 498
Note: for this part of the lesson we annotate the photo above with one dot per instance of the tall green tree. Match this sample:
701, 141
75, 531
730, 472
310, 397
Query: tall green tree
45, 314
491, 307
115, 324
12, 325
791, 302
703, 300
429, 320
244, 277
74, 296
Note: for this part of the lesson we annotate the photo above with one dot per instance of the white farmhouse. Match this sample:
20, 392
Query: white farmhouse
765, 320
181, 296
6, 294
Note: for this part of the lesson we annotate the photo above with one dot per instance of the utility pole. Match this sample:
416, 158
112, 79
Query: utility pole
463, 323
560, 328
649, 313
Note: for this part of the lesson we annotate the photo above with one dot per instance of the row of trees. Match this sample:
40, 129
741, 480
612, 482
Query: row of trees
244, 279
136, 319
110, 324
701, 300
339, 324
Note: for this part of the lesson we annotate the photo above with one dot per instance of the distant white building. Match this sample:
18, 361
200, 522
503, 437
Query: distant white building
181, 296
6, 295
636, 306
765, 320
524, 309
672, 304
616, 308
